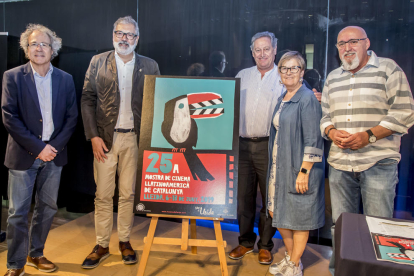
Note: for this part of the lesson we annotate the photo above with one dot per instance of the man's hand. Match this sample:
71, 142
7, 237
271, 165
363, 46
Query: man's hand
317, 94
47, 154
99, 149
338, 137
302, 183
356, 141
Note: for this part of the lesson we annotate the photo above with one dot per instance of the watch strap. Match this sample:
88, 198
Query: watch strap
327, 134
369, 132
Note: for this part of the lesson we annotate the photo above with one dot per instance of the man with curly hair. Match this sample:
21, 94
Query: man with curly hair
40, 113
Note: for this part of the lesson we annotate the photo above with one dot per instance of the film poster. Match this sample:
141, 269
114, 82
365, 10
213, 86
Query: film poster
188, 147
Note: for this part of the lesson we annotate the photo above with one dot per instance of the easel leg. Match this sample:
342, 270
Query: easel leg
220, 248
193, 234
184, 234
147, 246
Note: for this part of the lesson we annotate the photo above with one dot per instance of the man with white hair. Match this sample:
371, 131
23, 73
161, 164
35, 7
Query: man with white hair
40, 113
367, 106
260, 88
111, 111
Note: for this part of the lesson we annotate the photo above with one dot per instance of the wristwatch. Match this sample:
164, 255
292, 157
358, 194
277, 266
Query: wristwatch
303, 170
371, 137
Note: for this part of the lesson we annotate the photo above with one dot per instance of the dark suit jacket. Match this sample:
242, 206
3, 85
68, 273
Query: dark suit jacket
23, 119
101, 98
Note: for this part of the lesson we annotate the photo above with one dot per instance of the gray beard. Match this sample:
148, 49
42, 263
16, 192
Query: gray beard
350, 66
126, 51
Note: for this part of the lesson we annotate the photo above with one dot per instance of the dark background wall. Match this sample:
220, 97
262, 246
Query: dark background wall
181, 32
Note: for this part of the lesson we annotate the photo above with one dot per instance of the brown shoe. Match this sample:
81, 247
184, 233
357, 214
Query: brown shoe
239, 252
265, 257
128, 254
15, 272
41, 263
97, 255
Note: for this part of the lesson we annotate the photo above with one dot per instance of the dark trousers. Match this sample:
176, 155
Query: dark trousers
253, 163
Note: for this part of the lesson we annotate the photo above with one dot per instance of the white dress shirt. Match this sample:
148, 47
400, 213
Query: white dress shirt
44, 94
258, 98
125, 72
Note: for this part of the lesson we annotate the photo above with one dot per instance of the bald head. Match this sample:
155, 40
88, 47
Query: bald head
354, 29
352, 44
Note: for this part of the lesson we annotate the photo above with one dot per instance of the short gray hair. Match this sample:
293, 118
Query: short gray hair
292, 55
270, 35
127, 20
56, 42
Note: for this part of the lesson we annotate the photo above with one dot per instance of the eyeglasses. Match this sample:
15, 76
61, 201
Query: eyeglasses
293, 69
120, 34
351, 42
42, 45
266, 50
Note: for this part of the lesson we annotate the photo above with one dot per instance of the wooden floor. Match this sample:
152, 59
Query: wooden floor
69, 244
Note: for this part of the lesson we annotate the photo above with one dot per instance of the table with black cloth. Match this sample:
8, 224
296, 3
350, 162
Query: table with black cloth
354, 251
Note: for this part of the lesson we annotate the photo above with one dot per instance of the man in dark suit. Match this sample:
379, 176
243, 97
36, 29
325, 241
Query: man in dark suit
39, 112
111, 112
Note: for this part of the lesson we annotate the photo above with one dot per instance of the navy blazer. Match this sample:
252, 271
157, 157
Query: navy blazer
23, 119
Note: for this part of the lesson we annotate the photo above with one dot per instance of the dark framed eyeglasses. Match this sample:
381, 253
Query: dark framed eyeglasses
293, 69
351, 42
41, 44
120, 34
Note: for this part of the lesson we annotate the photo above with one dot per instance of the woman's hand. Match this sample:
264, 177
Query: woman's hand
302, 183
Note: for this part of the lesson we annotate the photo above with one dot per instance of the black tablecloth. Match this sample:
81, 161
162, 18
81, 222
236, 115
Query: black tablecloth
354, 251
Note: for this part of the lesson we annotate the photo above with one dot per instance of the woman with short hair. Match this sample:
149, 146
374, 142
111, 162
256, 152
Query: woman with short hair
296, 167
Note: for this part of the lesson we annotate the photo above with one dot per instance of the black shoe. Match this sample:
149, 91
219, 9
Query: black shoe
97, 255
128, 254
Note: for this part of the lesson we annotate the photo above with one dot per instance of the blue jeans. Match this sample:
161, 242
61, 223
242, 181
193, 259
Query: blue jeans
20, 190
376, 186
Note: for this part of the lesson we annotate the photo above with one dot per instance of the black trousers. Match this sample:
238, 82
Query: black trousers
253, 163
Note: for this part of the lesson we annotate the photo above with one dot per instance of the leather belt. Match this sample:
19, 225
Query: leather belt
121, 130
255, 139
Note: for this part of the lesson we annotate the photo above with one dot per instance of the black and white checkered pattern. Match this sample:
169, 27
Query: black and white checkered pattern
206, 103
207, 111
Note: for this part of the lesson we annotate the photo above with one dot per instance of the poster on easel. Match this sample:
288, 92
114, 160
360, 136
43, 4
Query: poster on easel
188, 147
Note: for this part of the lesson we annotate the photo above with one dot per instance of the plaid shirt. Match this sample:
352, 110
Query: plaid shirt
378, 94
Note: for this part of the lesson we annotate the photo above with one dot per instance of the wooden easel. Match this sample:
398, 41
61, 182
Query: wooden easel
184, 241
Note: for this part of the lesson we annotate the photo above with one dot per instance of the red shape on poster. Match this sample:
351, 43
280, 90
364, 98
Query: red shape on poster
178, 184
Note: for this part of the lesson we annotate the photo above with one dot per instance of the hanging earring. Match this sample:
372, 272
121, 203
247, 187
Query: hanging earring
301, 80
280, 81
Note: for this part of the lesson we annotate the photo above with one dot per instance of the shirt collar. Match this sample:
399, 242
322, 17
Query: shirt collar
268, 72
118, 58
36, 74
372, 61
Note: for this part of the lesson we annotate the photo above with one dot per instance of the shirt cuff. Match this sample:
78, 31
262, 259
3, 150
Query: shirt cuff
309, 157
313, 150
398, 129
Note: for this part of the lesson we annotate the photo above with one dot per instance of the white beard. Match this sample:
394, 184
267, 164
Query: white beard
350, 66
126, 51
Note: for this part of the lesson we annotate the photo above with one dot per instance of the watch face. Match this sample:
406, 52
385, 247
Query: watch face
372, 139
